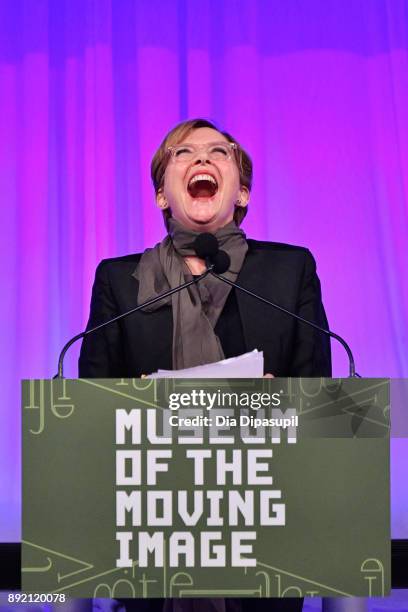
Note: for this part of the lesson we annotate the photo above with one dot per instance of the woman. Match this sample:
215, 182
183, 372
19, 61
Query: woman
202, 179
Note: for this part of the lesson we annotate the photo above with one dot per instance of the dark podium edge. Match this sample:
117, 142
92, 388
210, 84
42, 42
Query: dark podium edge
10, 565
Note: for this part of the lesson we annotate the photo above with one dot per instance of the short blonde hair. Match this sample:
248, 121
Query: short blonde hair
162, 157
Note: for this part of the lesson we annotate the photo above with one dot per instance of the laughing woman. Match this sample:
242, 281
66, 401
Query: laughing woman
202, 179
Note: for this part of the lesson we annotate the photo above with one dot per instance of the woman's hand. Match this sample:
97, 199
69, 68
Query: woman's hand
268, 375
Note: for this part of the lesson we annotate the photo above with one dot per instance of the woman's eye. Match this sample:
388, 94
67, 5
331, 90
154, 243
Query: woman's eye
221, 151
183, 151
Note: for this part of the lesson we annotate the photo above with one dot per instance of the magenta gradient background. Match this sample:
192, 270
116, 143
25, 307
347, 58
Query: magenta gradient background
316, 91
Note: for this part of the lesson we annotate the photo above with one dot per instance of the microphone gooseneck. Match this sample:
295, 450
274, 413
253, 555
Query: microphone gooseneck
60, 373
206, 247
221, 262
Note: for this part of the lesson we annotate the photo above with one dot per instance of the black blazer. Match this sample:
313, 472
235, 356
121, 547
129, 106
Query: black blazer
142, 342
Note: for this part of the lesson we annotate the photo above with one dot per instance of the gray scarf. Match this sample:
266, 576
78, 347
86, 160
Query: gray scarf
196, 309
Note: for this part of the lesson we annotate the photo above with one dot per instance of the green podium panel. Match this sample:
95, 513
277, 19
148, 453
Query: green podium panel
206, 488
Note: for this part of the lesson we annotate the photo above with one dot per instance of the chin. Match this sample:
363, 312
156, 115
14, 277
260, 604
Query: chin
204, 212
204, 219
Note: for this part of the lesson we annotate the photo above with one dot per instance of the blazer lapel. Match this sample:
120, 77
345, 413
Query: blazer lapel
264, 327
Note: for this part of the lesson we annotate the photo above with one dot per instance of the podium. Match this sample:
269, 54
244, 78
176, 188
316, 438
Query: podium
206, 488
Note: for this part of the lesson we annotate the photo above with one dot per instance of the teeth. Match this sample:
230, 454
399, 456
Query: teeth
203, 177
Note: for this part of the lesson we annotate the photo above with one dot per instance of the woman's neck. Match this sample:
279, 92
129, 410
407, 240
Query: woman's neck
195, 265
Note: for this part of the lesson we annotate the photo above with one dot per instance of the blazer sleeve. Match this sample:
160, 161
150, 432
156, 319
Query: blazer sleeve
311, 352
101, 353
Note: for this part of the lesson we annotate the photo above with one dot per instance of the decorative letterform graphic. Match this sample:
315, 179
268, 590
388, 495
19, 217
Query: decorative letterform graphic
206, 488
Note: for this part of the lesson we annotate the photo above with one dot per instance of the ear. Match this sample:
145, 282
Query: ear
161, 200
243, 197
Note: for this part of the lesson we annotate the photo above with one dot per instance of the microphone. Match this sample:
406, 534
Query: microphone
206, 247
221, 262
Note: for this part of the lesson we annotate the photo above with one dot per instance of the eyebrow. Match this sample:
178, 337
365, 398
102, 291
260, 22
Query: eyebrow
190, 144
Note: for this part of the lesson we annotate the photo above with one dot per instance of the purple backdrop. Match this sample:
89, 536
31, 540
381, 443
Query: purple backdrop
316, 91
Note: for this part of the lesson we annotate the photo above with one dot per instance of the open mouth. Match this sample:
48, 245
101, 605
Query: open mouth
202, 186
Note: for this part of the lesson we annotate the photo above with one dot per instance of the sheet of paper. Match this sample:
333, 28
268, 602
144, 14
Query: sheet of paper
248, 365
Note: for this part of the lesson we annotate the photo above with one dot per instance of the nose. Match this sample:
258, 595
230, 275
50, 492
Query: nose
201, 158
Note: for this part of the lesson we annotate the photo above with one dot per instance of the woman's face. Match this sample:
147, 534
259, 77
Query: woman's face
203, 205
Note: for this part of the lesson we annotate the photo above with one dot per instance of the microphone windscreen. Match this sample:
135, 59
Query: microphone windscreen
221, 262
205, 245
